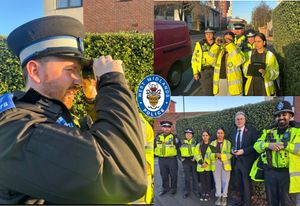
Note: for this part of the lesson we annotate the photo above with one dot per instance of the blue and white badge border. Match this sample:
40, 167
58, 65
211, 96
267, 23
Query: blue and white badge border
153, 96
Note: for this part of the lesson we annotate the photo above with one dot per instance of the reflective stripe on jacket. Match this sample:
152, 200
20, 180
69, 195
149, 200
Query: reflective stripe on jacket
272, 72
187, 149
165, 146
203, 57
233, 71
289, 157
225, 155
200, 161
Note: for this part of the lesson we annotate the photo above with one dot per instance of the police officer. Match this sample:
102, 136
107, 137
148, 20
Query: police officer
202, 59
44, 157
240, 39
187, 152
166, 146
280, 153
250, 34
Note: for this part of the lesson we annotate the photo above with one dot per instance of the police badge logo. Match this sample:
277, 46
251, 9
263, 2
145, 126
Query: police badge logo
280, 106
153, 96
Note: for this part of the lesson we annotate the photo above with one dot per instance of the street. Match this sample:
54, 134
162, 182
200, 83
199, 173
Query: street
177, 199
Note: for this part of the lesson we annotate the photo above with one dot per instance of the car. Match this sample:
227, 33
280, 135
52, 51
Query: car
172, 50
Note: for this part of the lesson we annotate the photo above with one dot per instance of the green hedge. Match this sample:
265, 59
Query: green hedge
135, 49
286, 34
259, 115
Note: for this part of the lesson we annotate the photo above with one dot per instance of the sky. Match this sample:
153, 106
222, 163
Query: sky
243, 9
204, 104
13, 13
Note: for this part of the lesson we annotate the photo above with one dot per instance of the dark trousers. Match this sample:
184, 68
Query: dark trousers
205, 179
168, 168
243, 182
207, 81
189, 170
277, 187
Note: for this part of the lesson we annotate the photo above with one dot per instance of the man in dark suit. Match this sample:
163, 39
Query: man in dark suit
243, 139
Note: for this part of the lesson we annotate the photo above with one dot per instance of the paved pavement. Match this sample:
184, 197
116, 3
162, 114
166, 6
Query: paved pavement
177, 199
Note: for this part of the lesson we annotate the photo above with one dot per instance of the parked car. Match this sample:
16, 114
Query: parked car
172, 49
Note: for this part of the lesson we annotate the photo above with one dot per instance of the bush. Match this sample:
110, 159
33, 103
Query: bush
286, 34
136, 51
259, 115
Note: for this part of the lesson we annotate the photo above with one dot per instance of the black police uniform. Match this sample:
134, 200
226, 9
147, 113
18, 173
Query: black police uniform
45, 159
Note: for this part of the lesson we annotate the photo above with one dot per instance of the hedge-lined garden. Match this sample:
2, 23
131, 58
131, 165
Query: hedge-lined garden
286, 35
259, 115
134, 49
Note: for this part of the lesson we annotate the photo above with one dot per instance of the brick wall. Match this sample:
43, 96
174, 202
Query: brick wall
118, 15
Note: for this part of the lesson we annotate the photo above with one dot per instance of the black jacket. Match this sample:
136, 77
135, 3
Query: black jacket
249, 137
43, 160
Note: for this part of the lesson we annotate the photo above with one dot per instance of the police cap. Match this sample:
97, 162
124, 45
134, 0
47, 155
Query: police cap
250, 33
48, 36
239, 26
188, 130
209, 30
166, 124
283, 106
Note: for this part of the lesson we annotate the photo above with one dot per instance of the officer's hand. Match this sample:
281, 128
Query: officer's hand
275, 146
196, 77
204, 165
262, 71
239, 152
105, 64
218, 155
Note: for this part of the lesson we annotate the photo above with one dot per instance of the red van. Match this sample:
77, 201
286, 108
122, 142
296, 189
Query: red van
172, 49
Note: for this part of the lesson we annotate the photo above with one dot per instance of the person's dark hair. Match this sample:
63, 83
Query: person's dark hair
229, 33
221, 129
206, 132
263, 37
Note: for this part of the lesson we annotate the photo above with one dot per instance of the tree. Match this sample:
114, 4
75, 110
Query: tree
183, 8
261, 15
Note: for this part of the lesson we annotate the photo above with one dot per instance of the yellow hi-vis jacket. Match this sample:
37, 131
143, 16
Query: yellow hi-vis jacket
203, 55
187, 149
234, 74
287, 158
272, 72
200, 160
225, 155
165, 146
239, 41
148, 135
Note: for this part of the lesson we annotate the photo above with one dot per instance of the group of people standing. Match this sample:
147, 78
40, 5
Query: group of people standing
231, 159
235, 64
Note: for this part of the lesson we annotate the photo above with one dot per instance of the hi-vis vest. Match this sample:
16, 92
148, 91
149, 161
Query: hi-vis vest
165, 146
199, 159
148, 135
272, 72
203, 55
287, 158
233, 71
187, 149
240, 41
225, 155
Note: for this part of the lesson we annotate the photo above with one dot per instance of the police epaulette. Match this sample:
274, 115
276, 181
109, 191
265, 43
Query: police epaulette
49, 107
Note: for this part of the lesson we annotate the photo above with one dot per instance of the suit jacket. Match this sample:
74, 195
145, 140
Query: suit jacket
249, 137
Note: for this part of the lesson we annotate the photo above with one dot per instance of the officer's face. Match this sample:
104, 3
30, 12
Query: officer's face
251, 39
259, 43
239, 32
166, 130
283, 119
220, 134
228, 38
209, 36
240, 121
60, 79
205, 136
188, 136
